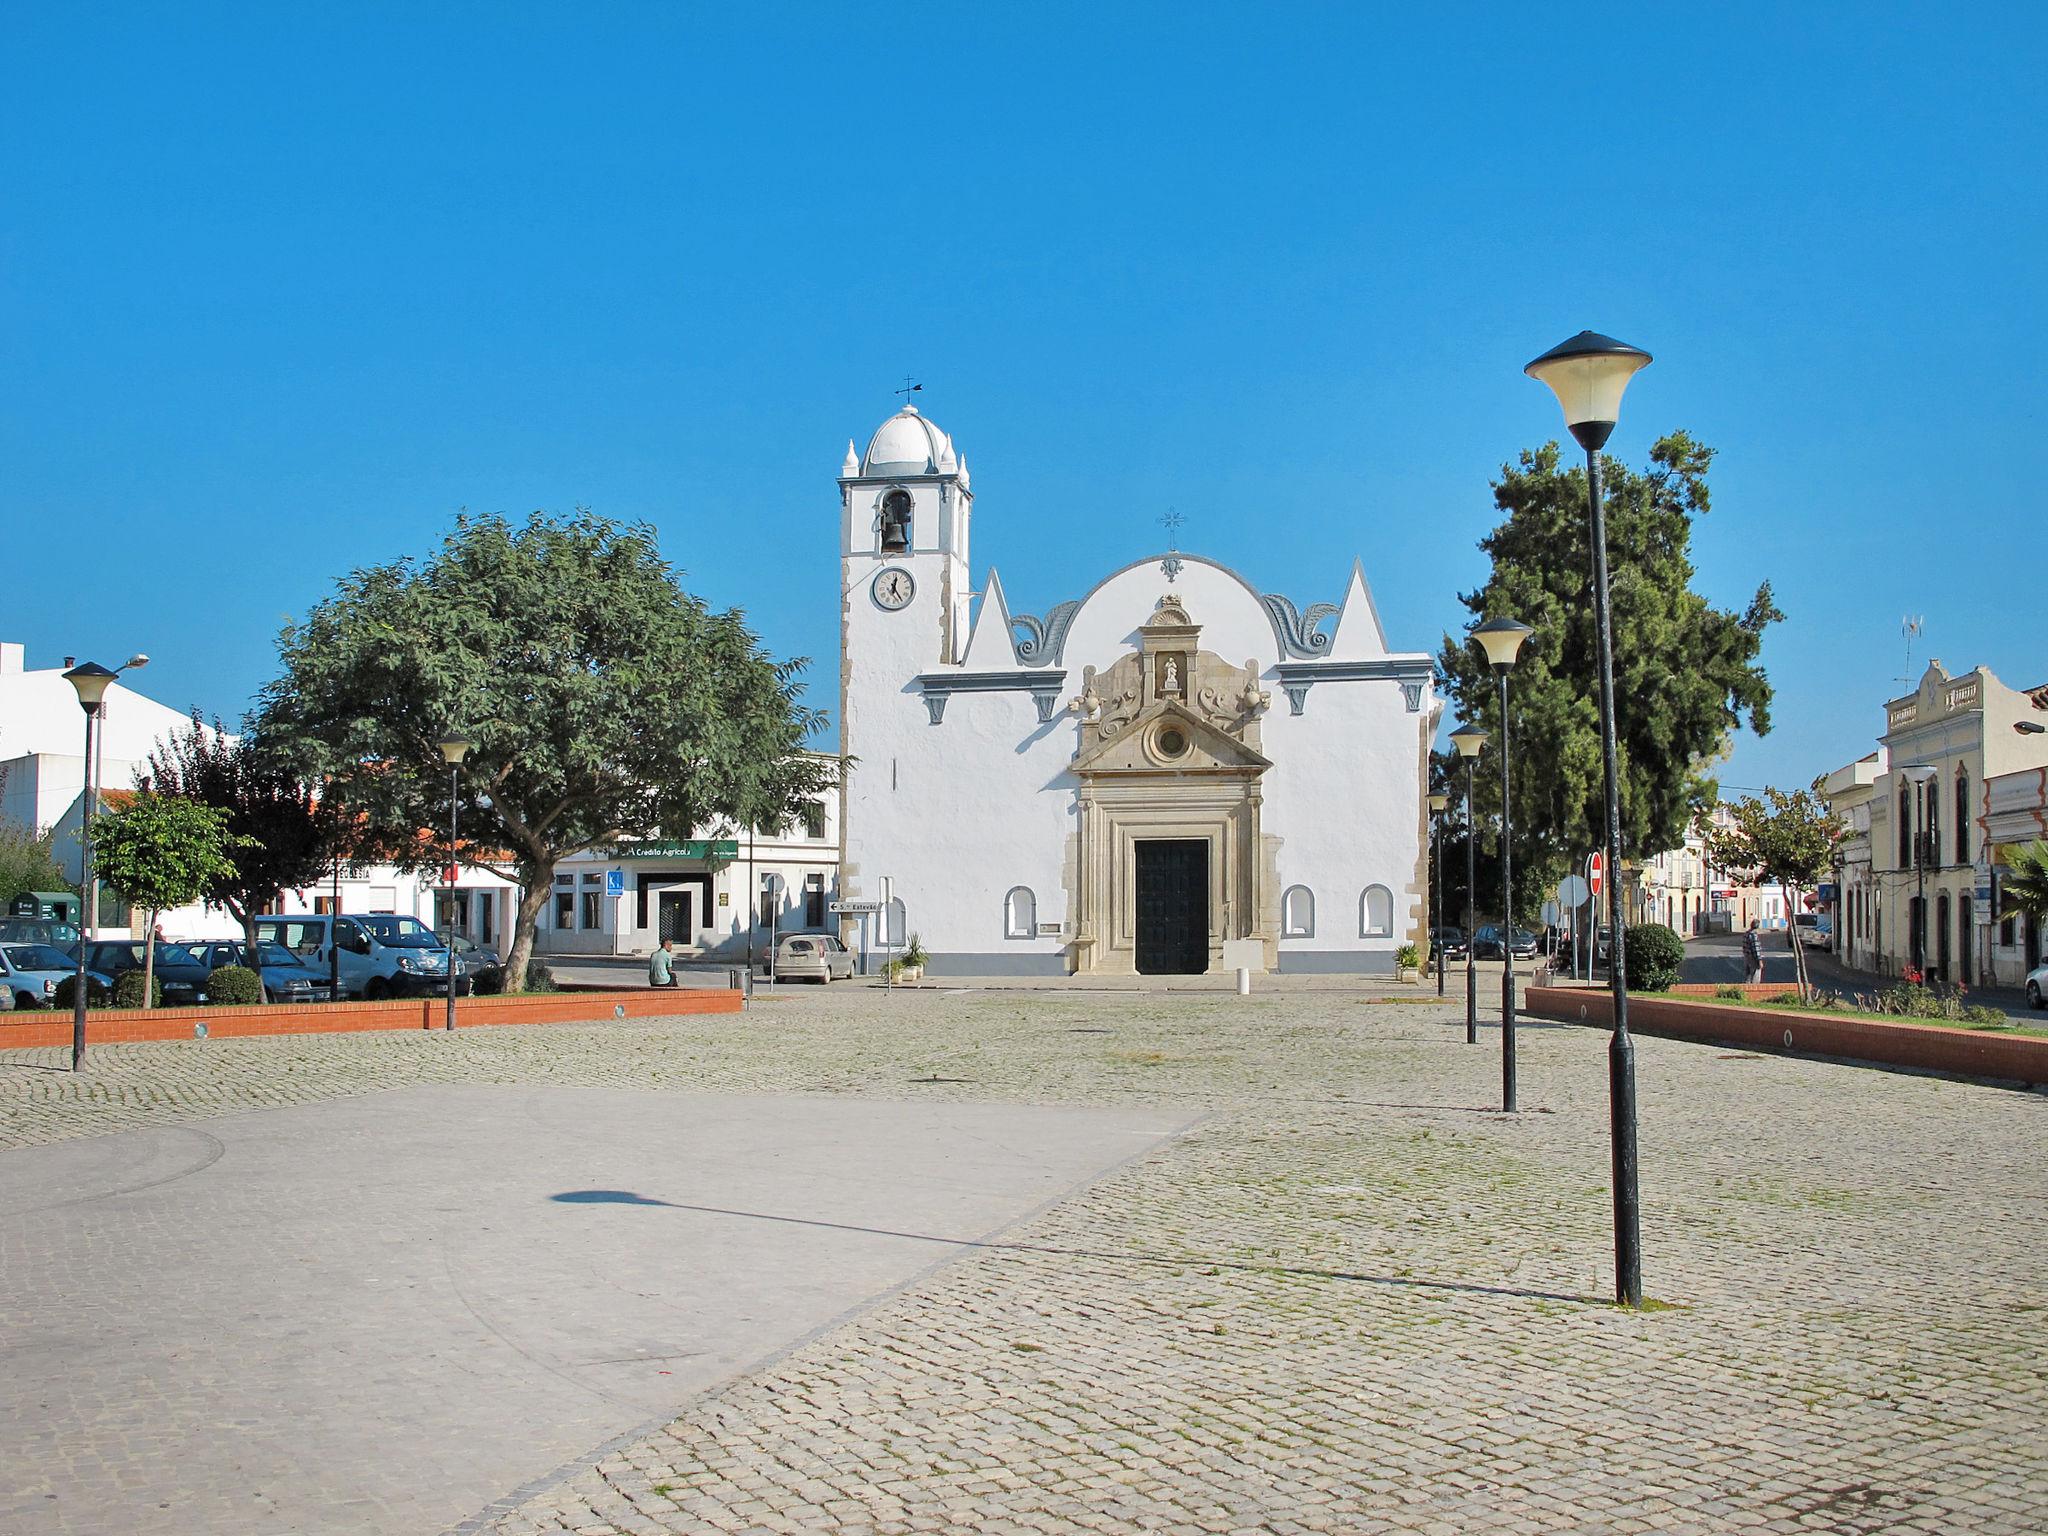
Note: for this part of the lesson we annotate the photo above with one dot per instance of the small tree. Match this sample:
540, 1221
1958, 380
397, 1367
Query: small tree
27, 862
2024, 885
159, 852
1782, 839
275, 823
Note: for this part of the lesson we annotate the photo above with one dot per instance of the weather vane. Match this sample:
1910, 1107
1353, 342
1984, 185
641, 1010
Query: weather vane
910, 387
1171, 565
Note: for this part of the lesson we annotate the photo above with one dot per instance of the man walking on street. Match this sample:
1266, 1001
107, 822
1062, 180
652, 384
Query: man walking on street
1753, 954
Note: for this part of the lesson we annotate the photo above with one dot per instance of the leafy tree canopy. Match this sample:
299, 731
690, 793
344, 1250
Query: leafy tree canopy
161, 852
27, 862
1685, 673
1777, 839
603, 701
2023, 887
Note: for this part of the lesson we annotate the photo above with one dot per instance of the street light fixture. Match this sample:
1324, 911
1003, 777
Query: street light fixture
91, 681
454, 749
1437, 803
2029, 727
1919, 775
1502, 639
1589, 374
1468, 739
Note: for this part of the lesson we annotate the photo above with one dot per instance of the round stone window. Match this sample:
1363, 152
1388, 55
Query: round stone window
1172, 741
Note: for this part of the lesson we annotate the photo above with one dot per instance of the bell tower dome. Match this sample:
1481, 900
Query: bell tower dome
904, 512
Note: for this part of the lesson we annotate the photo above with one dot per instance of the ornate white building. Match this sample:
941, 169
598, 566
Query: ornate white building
1170, 772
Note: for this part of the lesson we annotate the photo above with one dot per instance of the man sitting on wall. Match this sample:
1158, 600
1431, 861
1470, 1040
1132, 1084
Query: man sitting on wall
661, 967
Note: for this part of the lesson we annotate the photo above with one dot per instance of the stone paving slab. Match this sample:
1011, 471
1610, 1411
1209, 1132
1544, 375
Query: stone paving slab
1350, 1299
379, 1314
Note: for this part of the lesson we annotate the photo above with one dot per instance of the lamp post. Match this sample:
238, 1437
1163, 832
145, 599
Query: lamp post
1919, 775
91, 681
1437, 802
454, 749
1502, 639
1468, 739
1589, 374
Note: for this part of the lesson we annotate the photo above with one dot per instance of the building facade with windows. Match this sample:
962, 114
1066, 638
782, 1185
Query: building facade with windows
1931, 904
1167, 772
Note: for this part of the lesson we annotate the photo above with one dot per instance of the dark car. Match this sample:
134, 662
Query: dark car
480, 964
178, 971
286, 978
1486, 943
1448, 942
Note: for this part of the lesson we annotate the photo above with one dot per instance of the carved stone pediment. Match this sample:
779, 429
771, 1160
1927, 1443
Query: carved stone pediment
1167, 738
1169, 666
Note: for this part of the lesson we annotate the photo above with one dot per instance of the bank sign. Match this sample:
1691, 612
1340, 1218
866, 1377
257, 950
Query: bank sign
688, 848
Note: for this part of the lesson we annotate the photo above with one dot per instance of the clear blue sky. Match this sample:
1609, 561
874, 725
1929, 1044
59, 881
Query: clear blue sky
284, 286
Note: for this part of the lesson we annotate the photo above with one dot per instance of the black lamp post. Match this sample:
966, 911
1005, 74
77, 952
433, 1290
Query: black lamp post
1589, 374
1502, 639
453, 750
1437, 802
1468, 739
91, 681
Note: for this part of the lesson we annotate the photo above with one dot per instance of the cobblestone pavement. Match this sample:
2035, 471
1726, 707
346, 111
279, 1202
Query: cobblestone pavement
1352, 1299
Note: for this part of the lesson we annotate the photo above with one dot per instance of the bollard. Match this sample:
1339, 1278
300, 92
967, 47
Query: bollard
1244, 981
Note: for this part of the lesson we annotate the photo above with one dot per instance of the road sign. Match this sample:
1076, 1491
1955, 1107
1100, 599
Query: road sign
1572, 891
854, 908
1553, 914
1596, 871
615, 882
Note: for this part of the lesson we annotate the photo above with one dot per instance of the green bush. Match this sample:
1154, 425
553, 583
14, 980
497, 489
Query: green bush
488, 983
1731, 994
1407, 957
1655, 954
128, 991
538, 977
233, 984
67, 989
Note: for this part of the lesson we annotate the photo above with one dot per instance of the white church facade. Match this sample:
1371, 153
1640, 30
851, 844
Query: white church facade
1169, 773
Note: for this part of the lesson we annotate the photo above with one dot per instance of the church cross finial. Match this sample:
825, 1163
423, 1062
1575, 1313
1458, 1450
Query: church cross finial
1171, 565
910, 387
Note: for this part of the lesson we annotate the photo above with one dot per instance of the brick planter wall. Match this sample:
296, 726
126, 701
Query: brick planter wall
1931, 1047
110, 1026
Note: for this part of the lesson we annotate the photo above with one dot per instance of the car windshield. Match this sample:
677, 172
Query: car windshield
399, 932
39, 957
178, 954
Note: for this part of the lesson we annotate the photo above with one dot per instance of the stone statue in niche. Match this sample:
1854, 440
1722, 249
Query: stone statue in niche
1171, 682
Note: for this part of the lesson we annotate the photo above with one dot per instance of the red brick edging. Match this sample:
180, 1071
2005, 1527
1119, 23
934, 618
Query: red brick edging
1931, 1047
110, 1026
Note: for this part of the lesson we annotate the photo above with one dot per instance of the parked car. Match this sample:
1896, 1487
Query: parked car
818, 957
1486, 943
382, 954
178, 971
1815, 931
482, 966
31, 973
286, 978
37, 930
2037, 987
1448, 942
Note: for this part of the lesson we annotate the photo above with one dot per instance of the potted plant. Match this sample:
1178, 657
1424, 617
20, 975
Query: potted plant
909, 966
1407, 963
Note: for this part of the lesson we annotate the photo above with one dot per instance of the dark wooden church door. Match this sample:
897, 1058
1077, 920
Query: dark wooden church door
1173, 907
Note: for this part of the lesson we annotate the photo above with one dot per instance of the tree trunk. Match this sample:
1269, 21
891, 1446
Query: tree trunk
1798, 946
536, 884
149, 962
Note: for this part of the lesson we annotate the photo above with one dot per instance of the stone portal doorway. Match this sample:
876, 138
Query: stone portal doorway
1172, 906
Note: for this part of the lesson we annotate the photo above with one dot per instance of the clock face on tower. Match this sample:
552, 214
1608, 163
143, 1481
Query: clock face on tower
893, 589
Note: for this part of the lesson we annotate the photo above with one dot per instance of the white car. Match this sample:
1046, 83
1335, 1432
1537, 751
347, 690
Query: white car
2037, 987
1815, 931
818, 957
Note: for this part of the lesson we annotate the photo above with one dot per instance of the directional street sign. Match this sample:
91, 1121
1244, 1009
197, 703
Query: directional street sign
855, 907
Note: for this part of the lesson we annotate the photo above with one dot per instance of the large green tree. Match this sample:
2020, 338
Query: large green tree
604, 703
161, 852
282, 836
1686, 673
28, 862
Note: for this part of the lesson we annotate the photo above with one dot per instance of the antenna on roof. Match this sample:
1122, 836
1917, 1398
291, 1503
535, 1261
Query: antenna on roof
1910, 626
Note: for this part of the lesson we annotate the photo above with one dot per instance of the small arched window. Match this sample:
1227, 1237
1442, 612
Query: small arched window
895, 523
1962, 815
1298, 913
1376, 913
1020, 913
1933, 793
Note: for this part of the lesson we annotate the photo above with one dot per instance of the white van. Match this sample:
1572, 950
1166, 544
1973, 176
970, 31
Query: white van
383, 954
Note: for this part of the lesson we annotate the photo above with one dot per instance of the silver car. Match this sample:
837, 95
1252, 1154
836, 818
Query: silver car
818, 957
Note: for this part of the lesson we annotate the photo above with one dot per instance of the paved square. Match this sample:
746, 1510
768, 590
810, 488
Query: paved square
1349, 1298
